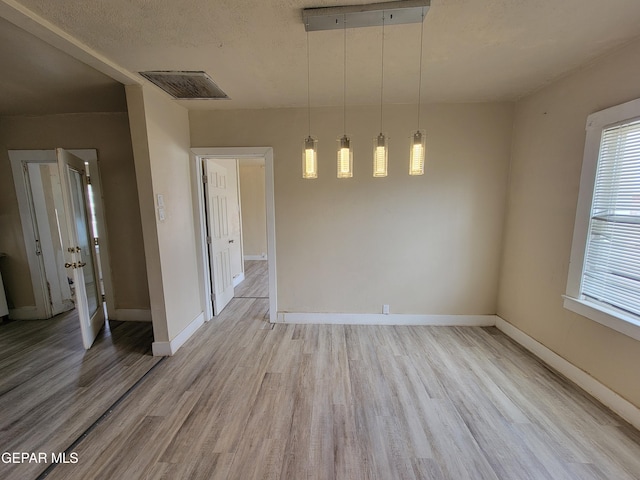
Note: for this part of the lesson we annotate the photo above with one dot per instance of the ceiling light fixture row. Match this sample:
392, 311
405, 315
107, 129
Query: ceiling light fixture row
408, 11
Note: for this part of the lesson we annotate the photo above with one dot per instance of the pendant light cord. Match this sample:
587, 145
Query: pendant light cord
344, 92
308, 84
382, 73
420, 74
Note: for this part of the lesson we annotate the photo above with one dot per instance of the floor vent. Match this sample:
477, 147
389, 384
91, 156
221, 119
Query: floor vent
186, 85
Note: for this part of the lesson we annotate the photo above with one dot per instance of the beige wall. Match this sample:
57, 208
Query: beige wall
254, 216
109, 134
423, 245
548, 146
160, 135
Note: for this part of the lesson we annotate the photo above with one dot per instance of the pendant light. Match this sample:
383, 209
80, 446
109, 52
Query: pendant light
310, 148
419, 137
380, 143
345, 153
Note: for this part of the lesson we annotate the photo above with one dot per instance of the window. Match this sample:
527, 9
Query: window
604, 273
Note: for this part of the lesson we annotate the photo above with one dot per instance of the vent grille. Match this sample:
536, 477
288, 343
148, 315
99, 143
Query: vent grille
186, 85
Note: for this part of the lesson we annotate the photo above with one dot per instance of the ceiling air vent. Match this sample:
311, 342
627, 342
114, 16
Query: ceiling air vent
186, 85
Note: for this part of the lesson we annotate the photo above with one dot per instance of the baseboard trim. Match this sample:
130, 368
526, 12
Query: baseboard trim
390, 319
25, 313
131, 315
604, 394
238, 280
255, 257
167, 349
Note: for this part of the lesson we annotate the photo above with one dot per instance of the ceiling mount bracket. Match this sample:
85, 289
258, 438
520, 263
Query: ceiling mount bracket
332, 18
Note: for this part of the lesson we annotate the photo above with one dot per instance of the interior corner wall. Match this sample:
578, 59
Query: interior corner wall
160, 135
109, 134
548, 147
424, 245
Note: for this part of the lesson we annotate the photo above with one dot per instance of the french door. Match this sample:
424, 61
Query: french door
80, 254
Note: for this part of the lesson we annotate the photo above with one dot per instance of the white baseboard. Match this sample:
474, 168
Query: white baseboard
604, 394
131, 315
255, 257
25, 313
390, 319
238, 280
166, 349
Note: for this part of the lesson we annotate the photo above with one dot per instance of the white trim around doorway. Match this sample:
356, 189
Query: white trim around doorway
203, 266
17, 159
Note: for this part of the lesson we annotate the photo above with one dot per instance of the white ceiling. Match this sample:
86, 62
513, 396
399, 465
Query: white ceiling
255, 50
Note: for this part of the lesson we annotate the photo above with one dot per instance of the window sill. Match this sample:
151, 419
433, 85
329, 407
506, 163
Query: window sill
622, 322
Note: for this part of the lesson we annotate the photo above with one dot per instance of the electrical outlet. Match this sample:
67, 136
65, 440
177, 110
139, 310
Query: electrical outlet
385, 309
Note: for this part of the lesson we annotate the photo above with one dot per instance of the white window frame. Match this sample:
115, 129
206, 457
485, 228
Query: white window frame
618, 320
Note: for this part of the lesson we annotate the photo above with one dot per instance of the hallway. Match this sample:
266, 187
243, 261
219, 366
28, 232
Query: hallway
256, 281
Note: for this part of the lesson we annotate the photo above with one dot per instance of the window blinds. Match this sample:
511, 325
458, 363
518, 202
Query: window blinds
611, 271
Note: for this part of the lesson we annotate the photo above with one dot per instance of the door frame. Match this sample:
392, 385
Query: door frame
38, 278
197, 154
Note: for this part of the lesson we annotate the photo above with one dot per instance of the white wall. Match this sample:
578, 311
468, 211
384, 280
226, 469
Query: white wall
423, 245
254, 210
548, 146
160, 135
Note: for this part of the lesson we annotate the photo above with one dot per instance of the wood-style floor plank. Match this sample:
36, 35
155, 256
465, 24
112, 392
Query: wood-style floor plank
246, 400
256, 280
52, 389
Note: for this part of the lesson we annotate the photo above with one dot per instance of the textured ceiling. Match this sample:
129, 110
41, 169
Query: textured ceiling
256, 52
40, 79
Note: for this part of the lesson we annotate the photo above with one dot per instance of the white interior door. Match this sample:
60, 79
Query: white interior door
43, 180
234, 219
80, 254
218, 233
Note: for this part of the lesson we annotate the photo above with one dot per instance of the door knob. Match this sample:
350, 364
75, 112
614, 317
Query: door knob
69, 265
230, 241
81, 264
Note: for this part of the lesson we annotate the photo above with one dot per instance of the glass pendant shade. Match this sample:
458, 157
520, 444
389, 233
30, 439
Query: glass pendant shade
416, 161
380, 155
310, 158
345, 157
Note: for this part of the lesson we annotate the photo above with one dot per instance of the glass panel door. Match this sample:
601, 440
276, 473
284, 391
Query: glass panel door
75, 192
81, 220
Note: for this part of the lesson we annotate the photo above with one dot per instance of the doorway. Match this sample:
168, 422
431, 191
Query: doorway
206, 222
59, 199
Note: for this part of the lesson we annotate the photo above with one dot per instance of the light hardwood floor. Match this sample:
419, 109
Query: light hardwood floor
256, 280
245, 400
52, 390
